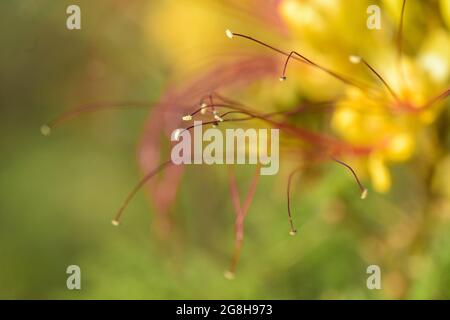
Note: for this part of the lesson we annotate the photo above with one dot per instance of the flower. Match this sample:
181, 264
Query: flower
383, 110
383, 89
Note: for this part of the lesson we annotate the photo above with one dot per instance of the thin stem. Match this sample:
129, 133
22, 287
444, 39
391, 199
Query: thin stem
283, 77
241, 212
361, 187
293, 231
439, 97
303, 59
62, 118
138, 186
400, 32
332, 73
388, 87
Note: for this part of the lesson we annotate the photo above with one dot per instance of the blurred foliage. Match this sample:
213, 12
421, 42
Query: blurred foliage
58, 194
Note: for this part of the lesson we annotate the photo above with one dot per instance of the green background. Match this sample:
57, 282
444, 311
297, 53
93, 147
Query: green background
59, 193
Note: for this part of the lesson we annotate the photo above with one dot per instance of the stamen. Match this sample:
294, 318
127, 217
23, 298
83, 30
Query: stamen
283, 77
176, 134
204, 106
297, 131
357, 59
311, 63
229, 34
229, 275
241, 212
187, 117
47, 128
400, 31
203, 109
354, 59
303, 59
439, 97
141, 183
293, 231
217, 117
361, 187
259, 42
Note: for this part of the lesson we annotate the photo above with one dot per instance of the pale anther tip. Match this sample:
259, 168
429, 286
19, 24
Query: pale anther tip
187, 118
293, 232
46, 130
354, 59
229, 275
115, 223
176, 134
229, 34
283, 78
364, 194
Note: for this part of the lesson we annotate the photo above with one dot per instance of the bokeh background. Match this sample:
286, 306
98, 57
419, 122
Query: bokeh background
59, 193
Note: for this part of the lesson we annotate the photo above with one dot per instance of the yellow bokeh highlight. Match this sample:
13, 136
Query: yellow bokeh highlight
379, 174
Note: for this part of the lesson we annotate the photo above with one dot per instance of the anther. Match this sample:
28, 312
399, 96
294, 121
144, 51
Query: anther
46, 130
364, 194
354, 59
176, 134
229, 275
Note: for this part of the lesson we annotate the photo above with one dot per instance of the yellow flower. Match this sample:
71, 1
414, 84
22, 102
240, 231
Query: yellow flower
390, 119
402, 71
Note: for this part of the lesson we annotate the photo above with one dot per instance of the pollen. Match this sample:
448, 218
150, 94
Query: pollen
115, 223
46, 130
229, 34
187, 118
364, 194
229, 275
354, 59
203, 108
176, 134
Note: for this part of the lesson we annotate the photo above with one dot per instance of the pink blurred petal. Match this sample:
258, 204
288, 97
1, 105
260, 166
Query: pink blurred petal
166, 116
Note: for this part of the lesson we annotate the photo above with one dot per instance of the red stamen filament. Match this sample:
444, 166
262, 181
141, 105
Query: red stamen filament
310, 137
388, 87
293, 231
400, 31
241, 213
439, 97
361, 187
332, 73
300, 58
138, 186
47, 128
